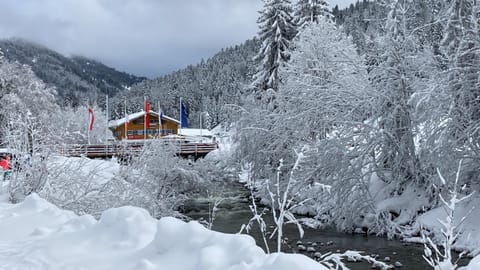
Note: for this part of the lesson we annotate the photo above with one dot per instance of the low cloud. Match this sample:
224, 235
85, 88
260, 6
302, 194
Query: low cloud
143, 37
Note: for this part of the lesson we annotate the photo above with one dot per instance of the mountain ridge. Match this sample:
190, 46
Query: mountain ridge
76, 78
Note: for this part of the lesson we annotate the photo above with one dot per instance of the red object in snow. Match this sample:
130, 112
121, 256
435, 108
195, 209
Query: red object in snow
5, 164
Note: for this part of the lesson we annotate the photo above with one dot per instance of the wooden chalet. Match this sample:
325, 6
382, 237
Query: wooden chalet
189, 142
136, 130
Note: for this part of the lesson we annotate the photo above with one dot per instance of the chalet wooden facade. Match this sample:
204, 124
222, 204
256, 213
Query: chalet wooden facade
136, 130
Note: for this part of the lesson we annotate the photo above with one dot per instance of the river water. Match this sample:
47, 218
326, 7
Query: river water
234, 211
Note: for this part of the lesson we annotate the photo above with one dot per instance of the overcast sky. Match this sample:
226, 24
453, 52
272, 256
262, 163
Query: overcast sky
142, 37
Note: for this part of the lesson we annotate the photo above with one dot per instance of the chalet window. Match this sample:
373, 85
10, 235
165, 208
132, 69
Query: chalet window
134, 132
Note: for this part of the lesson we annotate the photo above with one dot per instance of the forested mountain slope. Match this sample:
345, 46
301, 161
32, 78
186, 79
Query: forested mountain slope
75, 78
365, 20
205, 87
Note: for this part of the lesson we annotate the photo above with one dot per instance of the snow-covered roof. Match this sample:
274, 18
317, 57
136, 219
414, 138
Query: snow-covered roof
195, 132
133, 116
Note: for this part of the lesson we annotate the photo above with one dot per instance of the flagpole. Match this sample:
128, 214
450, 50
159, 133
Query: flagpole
88, 124
159, 120
126, 120
144, 119
106, 115
181, 113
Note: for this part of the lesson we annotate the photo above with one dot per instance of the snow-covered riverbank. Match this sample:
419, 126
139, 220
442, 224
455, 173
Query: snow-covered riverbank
35, 234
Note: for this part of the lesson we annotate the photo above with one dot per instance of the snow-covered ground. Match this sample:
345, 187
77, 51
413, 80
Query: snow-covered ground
412, 200
469, 239
35, 234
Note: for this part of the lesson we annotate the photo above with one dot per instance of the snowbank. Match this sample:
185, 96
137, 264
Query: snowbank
35, 234
470, 239
473, 265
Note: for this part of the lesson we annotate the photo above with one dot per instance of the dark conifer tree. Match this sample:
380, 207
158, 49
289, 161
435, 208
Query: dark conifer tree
277, 30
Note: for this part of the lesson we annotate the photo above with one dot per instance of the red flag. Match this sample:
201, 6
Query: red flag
91, 118
126, 124
147, 116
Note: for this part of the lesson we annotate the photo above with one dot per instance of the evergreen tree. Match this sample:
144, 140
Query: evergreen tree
311, 11
277, 30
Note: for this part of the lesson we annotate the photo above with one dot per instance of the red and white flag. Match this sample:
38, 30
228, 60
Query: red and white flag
91, 118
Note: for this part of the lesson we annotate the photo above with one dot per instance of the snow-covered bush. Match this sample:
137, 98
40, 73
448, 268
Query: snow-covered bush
282, 199
83, 185
439, 256
157, 180
160, 180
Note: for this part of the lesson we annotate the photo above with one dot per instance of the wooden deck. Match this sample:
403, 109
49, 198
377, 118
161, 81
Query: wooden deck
123, 150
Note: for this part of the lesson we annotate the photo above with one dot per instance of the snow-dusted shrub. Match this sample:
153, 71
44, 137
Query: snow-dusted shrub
157, 180
85, 186
160, 180
29, 174
283, 199
284, 195
439, 256
257, 212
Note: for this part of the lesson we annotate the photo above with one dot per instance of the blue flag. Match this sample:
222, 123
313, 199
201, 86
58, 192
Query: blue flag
183, 116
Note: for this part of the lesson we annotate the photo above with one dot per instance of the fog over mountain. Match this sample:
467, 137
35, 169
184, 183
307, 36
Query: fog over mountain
142, 37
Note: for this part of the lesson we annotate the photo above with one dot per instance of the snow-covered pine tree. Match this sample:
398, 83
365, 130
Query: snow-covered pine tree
277, 30
310, 11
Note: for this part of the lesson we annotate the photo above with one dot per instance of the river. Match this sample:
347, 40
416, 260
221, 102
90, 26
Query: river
234, 211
